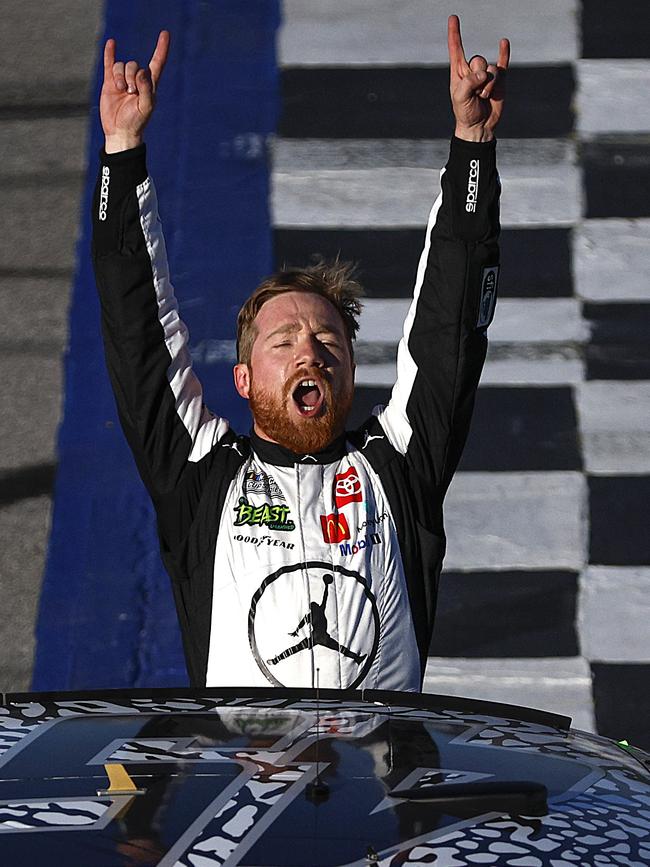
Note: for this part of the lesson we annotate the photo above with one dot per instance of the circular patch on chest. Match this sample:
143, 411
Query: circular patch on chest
310, 616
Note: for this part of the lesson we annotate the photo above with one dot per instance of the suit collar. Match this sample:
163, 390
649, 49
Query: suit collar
273, 453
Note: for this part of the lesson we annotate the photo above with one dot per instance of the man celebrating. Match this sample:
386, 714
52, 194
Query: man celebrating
252, 528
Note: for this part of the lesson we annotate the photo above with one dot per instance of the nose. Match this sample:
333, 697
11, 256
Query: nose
310, 352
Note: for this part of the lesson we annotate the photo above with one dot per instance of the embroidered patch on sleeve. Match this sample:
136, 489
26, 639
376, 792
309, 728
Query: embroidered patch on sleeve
489, 282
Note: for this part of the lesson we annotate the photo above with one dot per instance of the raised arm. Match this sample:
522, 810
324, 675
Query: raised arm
159, 399
442, 351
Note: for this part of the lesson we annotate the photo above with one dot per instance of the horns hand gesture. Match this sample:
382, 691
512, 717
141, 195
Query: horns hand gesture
128, 95
477, 88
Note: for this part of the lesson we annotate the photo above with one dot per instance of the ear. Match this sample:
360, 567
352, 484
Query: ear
242, 378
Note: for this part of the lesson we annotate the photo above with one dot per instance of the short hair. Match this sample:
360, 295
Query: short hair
334, 281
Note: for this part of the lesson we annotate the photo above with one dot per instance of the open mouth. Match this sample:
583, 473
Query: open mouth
308, 397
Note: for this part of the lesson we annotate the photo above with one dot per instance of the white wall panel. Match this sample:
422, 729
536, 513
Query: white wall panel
560, 685
611, 260
323, 182
614, 613
612, 96
615, 426
516, 521
382, 32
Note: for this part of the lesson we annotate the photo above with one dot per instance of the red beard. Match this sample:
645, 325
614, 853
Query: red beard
306, 435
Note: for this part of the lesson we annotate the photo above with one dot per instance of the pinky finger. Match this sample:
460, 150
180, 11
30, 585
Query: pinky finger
504, 54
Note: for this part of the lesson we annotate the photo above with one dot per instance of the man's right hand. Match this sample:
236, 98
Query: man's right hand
128, 95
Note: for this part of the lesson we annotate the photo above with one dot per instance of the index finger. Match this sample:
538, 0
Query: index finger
159, 56
457, 59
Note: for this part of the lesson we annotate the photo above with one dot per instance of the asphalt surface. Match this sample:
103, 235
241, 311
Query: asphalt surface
48, 53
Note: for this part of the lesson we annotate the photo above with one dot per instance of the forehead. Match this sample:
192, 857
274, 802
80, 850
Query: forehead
299, 310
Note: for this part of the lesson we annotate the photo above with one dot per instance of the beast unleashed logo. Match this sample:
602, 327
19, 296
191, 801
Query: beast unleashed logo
270, 515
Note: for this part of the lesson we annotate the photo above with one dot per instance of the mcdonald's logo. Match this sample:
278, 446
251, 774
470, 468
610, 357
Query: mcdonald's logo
335, 528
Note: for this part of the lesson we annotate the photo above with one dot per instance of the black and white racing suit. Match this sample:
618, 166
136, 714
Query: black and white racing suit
286, 564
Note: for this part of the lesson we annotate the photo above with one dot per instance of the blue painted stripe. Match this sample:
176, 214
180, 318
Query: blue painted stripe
106, 614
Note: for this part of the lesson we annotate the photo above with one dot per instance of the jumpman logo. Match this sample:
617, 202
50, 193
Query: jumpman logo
317, 620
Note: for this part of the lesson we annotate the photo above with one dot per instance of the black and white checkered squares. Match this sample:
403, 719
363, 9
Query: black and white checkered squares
546, 595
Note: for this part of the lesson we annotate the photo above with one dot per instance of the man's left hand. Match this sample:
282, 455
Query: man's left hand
477, 87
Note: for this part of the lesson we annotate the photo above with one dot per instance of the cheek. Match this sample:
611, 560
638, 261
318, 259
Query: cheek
267, 376
347, 377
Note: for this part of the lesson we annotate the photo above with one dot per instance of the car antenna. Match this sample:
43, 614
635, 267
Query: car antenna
317, 790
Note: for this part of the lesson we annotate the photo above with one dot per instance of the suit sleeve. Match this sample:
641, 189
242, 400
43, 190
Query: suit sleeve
159, 398
443, 347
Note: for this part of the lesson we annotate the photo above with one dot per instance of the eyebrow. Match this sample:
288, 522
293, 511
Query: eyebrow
321, 328
283, 329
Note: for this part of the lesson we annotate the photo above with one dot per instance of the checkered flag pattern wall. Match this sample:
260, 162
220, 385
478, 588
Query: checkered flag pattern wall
545, 597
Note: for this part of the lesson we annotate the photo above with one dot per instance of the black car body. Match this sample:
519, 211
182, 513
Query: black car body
285, 777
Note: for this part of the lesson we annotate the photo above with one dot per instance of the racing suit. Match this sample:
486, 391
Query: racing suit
286, 565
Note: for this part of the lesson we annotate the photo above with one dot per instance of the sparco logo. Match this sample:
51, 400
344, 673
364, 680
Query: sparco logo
103, 192
472, 187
